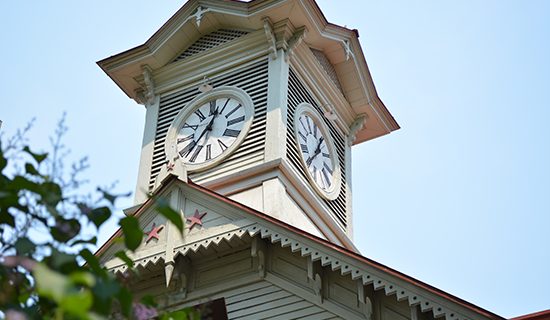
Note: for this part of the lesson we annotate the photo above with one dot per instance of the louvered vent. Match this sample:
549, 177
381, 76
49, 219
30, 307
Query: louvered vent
297, 93
327, 66
253, 80
210, 41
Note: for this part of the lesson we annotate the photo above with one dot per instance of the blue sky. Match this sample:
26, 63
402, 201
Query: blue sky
458, 198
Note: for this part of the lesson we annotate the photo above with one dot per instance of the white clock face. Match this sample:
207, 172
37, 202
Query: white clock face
315, 151
210, 130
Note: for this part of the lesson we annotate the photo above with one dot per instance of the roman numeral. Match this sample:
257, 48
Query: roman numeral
212, 107
325, 166
232, 111
196, 153
185, 151
315, 131
231, 133
314, 172
303, 125
309, 161
236, 120
208, 152
308, 125
189, 137
222, 145
304, 147
327, 178
326, 155
302, 136
225, 105
192, 126
200, 115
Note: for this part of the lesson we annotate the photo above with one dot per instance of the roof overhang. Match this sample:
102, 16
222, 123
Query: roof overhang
199, 17
347, 262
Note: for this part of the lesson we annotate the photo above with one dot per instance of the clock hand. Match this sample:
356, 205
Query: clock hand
209, 126
317, 151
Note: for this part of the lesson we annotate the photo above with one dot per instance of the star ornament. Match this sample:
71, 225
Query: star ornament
195, 219
170, 166
154, 232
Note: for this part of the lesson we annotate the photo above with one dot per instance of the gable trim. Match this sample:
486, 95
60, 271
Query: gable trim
329, 254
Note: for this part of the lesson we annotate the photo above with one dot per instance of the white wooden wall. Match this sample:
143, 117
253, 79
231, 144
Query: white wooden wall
285, 292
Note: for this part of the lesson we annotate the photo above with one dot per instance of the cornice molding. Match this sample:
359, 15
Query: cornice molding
330, 258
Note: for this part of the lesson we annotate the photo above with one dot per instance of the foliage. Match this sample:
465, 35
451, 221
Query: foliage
47, 268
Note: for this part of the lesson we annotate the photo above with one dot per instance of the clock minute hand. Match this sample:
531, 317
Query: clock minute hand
209, 126
317, 151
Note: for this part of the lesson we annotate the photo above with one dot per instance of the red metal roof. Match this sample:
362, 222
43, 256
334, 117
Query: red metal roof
541, 315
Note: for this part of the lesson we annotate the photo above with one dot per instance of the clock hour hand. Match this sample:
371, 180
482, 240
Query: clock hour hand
209, 126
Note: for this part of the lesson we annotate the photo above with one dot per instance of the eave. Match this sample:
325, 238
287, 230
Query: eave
181, 30
338, 258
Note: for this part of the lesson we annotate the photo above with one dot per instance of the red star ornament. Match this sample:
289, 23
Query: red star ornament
170, 166
195, 219
154, 232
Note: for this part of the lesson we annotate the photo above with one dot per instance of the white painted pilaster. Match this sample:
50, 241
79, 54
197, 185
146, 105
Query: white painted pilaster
349, 229
146, 159
277, 92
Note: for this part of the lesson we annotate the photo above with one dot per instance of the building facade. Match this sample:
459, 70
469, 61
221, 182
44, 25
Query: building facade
252, 110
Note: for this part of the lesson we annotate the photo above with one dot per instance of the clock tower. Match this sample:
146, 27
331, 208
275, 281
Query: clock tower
252, 111
258, 101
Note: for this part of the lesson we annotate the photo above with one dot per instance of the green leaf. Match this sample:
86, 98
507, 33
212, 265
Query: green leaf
125, 298
104, 291
93, 262
38, 157
92, 240
7, 218
149, 301
20, 183
172, 215
24, 246
122, 255
179, 315
65, 229
132, 232
30, 169
99, 215
77, 303
109, 197
50, 284
51, 193
82, 278
62, 261
3, 160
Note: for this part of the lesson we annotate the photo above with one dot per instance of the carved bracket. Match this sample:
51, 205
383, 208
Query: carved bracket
414, 312
294, 41
347, 48
271, 41
357, 125
183, 272
364, 301
198, 15
146, 94
315, 275
258, 251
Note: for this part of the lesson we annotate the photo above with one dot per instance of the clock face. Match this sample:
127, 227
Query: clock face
211, 129
316, 153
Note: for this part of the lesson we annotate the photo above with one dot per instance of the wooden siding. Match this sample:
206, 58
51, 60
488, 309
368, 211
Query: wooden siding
266, 301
